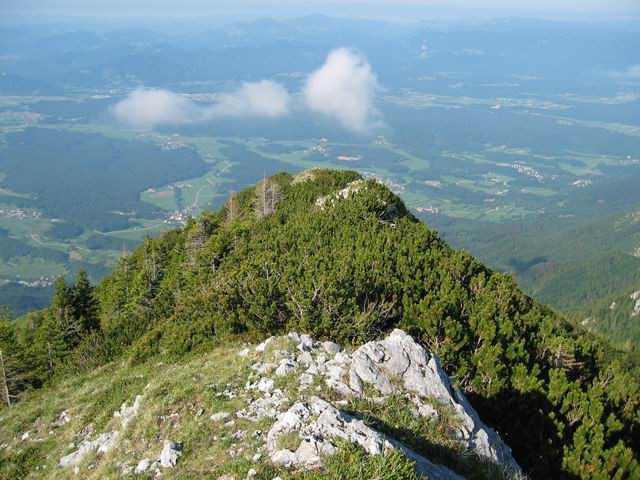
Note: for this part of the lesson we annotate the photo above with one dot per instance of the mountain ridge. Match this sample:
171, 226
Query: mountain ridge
350, 268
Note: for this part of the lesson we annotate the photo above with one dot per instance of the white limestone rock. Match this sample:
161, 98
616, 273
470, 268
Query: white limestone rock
286, 367
635, 296
127, 413
143, 466
265, 385
63, 419
320, 425
170, 454
263, 346
331, 347
398, 356
102, 444
394, 365
216, 417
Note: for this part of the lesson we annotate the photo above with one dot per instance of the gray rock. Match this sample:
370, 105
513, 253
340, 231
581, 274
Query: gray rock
364, 366
143, 465
355, 382
399, 356
63, 419
294, 336
263, 368
305, 358
263, 346
267, 406
320, 425
216, 417
635, 296
305, 344
285, 458
265, 385
331, 347
286, 367
396, 364
126, 413
170, 454
306, 379
102, 444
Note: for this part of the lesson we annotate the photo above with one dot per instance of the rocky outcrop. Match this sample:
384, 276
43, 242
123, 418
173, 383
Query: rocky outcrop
395, 365
307, 393
127, 413
104, 442
319, 424
401, 359
170, 454
635, 296
351, 189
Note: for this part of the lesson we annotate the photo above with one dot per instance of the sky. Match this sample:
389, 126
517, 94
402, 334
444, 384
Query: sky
403, 10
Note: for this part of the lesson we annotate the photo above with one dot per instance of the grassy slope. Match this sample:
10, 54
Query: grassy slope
178, 401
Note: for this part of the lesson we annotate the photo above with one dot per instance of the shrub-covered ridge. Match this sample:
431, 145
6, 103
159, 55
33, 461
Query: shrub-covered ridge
350, 267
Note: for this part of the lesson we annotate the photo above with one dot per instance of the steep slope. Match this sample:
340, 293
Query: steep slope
580, 265
617, 316
338, 257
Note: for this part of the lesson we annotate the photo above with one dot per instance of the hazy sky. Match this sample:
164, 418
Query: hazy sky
399, 10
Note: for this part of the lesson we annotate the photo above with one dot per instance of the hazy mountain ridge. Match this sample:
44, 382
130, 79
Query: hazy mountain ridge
495, 48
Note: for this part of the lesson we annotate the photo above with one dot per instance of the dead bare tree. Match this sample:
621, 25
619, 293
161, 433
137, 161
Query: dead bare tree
232, 208
268, 194
4, 383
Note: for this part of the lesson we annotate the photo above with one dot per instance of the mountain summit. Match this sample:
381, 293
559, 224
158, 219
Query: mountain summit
337, 257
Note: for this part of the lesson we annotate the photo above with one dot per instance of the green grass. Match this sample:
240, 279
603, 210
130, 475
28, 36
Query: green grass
178, 400
434, 438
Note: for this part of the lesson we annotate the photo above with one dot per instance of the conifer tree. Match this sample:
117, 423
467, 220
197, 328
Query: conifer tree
52, 349
60, 322
15, 374
84, 304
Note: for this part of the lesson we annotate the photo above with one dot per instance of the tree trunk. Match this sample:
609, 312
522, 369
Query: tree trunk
49, 359
3, 381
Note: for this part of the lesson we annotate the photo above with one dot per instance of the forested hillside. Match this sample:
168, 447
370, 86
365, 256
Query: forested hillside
338, 257
587, 267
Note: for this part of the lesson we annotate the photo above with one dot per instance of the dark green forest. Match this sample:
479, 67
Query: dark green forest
87, 179
330, 254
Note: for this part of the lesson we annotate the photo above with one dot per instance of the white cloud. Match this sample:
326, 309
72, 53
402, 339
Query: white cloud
146, 108
262, 99
344, 88
632, 71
